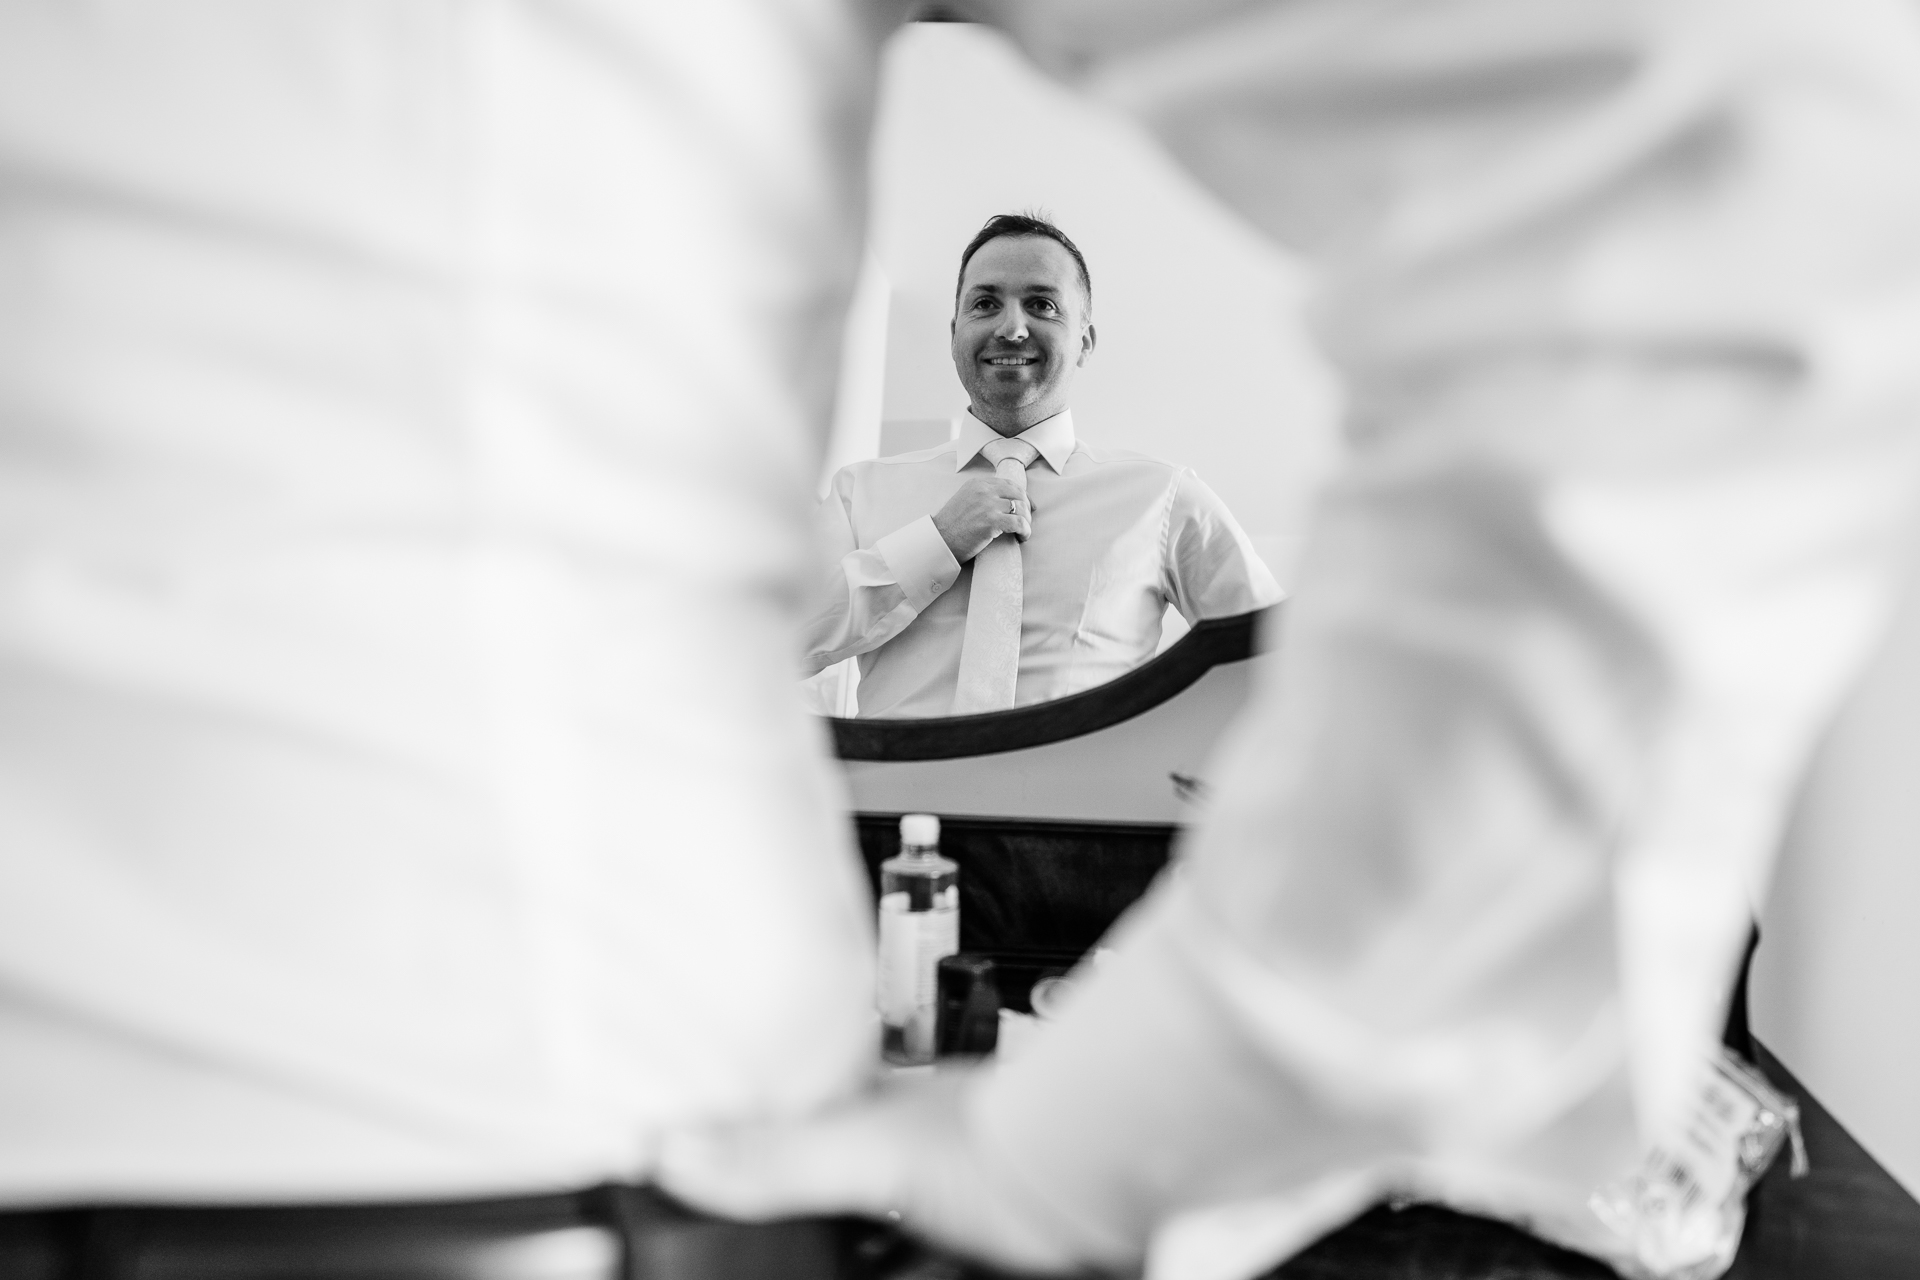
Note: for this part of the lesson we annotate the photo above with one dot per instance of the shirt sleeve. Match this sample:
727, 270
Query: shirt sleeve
1212, 568
868, 595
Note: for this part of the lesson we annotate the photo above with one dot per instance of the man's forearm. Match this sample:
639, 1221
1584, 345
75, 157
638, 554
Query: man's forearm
874, 593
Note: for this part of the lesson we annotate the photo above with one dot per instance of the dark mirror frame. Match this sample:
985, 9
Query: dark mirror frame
1211, 642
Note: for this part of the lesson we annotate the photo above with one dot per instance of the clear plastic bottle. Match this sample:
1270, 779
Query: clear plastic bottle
919, 923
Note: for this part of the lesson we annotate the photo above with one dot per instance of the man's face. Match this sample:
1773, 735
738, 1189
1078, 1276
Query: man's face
1020, 331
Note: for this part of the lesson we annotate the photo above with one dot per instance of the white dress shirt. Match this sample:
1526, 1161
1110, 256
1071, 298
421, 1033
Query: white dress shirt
1627, 296
1117, 536
408, 422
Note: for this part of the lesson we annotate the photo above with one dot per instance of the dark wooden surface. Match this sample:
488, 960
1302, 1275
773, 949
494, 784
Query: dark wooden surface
1211, 642
1846, 1220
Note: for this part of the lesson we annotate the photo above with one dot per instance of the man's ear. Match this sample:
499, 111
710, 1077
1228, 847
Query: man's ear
1087, 342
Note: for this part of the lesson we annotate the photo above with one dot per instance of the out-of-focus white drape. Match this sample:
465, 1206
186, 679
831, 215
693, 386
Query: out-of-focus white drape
1626, 296
409, 416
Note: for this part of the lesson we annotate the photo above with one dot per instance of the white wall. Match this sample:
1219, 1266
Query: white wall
1201, 357
1836, 981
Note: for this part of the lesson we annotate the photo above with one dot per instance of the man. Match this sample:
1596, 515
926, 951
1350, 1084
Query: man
1101, 540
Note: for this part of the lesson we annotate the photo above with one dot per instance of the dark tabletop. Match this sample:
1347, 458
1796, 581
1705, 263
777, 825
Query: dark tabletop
1847, 1219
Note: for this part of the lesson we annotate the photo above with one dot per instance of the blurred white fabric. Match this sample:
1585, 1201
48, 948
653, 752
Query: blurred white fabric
1627, 296
408, 421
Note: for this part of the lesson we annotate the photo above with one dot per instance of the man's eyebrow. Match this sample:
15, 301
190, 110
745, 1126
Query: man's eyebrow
995, 290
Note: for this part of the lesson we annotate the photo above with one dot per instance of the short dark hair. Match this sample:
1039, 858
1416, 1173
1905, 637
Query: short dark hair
1022, 224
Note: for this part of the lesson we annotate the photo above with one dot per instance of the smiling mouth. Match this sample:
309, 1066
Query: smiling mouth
1011, 361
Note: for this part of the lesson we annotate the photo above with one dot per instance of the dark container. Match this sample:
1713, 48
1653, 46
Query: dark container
967, 1000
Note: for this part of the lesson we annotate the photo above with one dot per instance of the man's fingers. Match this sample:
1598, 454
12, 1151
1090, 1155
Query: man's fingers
1011, 518
900, 1148
845, 1163
980, 511
1001, 492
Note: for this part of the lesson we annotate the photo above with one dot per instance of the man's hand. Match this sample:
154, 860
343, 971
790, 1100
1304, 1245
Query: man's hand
981, 510
902, 1149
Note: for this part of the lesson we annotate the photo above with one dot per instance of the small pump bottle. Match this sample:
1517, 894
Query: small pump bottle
919, 923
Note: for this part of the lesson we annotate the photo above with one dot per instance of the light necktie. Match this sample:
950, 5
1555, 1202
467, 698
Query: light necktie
990, 647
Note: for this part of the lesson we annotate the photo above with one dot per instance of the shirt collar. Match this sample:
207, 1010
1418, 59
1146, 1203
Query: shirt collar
1053, 438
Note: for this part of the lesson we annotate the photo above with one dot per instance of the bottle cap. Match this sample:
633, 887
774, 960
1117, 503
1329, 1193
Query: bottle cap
922, 829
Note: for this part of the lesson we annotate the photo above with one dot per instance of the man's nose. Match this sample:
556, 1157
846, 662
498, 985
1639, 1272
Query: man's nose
1013, 325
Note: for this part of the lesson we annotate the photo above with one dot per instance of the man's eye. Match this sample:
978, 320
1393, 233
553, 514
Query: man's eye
1043, 304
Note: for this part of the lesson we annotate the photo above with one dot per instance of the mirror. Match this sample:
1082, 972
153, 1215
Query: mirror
1213, 643
1199, 380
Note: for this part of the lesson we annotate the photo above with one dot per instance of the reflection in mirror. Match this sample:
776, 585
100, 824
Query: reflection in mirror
1117, 543
1015, 562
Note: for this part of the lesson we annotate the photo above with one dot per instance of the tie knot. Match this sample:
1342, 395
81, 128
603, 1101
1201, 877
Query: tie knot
1003, 449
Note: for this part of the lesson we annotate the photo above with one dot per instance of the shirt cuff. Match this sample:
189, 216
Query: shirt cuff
920, 561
